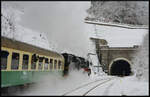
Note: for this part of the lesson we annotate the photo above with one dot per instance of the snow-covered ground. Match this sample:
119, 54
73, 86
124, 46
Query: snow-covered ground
122, 86
99, 85
117, 86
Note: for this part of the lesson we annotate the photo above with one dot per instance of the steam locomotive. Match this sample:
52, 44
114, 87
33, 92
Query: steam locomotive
74, 62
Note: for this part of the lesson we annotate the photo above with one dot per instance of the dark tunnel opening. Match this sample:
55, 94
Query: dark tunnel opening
120, 68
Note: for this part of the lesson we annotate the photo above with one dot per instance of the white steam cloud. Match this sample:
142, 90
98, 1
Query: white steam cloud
63, 22
55, 84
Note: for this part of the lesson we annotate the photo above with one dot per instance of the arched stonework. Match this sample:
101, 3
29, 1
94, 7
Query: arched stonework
117, 59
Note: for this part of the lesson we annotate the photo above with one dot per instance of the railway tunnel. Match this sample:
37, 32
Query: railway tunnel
120, 67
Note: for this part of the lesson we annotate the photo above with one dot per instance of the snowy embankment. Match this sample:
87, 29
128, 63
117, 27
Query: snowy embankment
12, 29
96, 70
127, 86
141, 61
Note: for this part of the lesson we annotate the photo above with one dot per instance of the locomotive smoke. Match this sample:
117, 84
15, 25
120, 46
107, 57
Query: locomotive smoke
63, 22
55, 84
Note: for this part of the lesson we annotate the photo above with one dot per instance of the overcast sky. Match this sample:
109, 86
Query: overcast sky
63, 22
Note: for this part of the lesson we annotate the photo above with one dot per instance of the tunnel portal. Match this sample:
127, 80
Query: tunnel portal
120, 68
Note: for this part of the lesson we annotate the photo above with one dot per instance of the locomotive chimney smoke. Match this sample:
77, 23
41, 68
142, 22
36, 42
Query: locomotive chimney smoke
63, 22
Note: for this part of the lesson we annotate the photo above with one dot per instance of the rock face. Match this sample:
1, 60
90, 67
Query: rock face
127, 12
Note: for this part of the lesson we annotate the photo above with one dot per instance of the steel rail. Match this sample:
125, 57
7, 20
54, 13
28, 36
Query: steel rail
95, 87
84, 86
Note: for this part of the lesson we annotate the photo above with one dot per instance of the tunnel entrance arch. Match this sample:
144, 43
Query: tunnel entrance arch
120, 67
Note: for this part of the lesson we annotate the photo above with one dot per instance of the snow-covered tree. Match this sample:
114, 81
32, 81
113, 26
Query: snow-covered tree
141, 61
11, 28
10, 16
127, 12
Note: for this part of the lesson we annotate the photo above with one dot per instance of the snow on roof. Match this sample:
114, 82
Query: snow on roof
129, 26
118, 35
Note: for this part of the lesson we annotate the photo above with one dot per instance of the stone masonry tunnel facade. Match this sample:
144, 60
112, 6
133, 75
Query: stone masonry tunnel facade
115, 60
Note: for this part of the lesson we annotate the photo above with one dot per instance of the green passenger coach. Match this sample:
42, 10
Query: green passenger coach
22, 63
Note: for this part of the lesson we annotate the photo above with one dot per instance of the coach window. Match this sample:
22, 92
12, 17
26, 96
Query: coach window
51, 63
59, 64
40, 63
15, 61
25, 61
55, 64
46, 64
4, 55
33, 61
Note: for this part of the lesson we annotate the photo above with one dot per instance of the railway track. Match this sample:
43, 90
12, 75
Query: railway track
100, 82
